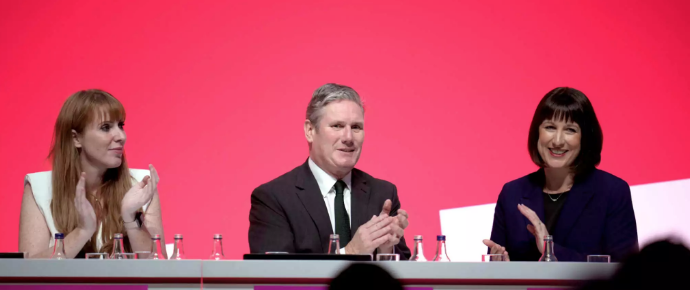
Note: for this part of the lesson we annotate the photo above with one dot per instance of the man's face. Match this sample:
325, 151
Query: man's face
337, 143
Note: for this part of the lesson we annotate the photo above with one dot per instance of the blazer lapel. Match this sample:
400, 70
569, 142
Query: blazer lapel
309, 193
580, 195
360, 199
533, 199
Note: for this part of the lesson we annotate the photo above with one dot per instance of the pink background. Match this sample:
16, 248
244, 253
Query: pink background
216, 93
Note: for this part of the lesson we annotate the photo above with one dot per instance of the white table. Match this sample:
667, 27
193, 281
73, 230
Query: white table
190, 274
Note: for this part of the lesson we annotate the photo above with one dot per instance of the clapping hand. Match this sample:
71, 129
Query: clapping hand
139, 195
496, 249
537, 228
87, 216
370, 235
397, 227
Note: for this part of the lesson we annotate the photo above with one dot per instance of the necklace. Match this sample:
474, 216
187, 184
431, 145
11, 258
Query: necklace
554, 200
96, 200
559, 194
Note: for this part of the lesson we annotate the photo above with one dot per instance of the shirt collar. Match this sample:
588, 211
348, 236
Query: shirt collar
325, 180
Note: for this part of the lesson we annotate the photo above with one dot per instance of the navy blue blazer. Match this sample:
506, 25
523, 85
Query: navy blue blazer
596, 219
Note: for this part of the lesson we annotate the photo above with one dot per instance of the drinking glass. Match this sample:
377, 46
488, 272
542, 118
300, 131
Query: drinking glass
493, 258
123, 256
140, 255
96, 256
387, 257
598, 259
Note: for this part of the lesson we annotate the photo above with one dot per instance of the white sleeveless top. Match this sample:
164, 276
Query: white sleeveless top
42, 187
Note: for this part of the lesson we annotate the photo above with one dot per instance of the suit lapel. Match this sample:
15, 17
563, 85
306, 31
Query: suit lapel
360, 199
580, 195
532, 198
309, 193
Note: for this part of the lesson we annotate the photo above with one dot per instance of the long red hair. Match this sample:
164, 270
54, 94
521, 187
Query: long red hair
78, 111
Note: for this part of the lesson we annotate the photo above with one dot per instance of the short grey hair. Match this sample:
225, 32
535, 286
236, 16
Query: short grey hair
327, 94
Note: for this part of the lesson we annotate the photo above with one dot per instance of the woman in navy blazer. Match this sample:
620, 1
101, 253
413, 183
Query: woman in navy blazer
586, 210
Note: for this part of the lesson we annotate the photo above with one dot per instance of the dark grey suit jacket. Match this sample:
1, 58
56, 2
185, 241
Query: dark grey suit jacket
288, 213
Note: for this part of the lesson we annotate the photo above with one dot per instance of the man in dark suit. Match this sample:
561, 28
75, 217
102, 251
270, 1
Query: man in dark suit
298, 211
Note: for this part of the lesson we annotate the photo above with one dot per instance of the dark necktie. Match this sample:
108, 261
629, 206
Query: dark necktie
342, 220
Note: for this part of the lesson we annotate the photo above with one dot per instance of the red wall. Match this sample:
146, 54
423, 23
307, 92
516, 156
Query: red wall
216, 93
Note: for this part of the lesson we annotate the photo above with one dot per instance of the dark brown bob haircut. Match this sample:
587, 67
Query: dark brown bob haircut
570, 105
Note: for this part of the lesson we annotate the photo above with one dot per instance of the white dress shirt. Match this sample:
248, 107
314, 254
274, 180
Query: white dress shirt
327, 186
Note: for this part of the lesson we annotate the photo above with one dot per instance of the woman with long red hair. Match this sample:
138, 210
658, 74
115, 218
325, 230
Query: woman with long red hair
90, 194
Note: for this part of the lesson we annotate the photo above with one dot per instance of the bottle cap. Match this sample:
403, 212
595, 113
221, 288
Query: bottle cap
441, 238
59, 236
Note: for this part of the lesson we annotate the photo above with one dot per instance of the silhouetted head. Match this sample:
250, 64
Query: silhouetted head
365, 276
659, 265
